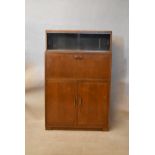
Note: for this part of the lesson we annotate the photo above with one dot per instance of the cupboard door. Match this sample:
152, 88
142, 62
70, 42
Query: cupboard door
60, 65
93, 105
92, 65
60, 103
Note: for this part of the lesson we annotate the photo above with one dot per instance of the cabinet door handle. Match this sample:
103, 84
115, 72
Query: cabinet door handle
78, 57
80, 101
75, 102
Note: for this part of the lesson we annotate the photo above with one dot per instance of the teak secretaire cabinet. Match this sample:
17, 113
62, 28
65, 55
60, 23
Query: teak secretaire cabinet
77, 79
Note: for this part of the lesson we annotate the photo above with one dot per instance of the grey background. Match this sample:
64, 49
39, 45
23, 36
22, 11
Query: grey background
82, 15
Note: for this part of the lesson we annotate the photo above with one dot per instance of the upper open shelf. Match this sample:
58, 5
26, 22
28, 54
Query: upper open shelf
79, 40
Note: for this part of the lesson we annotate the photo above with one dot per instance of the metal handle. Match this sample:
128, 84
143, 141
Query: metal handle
78, 57
75, 100
80, 100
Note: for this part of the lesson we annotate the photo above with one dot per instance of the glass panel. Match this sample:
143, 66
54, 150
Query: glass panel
62, 41
105, 42
95, 41
78, 41
89, 42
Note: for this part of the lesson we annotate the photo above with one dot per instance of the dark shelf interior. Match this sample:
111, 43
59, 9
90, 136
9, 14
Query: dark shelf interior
64, 41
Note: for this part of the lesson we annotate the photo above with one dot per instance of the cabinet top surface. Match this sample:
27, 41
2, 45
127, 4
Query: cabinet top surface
79, 51
80, 31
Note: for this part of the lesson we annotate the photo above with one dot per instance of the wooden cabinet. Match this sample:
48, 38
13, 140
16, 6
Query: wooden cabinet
92, 104
77, 81
93, 66
60, 103
78, 65
60, 65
